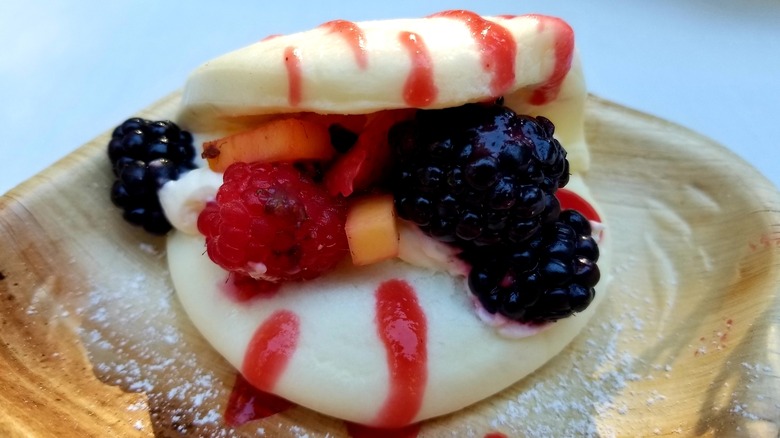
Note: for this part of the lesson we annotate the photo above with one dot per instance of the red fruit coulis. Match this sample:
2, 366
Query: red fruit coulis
564, 53
247, 403
572, 201
270, 37
360, 431
497, 47
403, 330
243, 288
270, 349
292, 61
419, 89
354, 36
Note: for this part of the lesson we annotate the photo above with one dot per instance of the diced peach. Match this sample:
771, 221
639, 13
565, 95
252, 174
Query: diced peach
367, 161
288, 139
371, 229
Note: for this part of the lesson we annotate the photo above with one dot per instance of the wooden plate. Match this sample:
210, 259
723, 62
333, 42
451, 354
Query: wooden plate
94, 342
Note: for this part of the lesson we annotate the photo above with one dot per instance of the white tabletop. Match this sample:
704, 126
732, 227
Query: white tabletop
72, 70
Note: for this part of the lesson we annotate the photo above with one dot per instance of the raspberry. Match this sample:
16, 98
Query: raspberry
144, 155
274, 223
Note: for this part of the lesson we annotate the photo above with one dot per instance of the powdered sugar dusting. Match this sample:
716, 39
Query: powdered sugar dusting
137, 339
603, 382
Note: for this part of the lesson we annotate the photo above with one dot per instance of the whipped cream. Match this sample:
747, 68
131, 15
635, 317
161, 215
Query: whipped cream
182, 200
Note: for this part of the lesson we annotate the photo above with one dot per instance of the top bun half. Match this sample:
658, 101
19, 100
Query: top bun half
445, 60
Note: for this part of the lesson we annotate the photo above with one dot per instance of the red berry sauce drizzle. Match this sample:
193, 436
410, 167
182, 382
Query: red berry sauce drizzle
403, 330
564, 53
292, 60
354, 36
270, 349
419, 89
497, 47
247, 403
572, 201
268, 353
360, 431
243, 288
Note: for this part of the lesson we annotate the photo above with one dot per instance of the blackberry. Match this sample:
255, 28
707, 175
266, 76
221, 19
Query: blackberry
144, 155
341, 138
483, 178
544, 279
478, 174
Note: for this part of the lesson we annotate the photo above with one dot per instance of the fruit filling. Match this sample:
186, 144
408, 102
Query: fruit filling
303, 192
287, 139
274, 223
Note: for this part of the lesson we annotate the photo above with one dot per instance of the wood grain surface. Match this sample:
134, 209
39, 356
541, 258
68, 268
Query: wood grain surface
94, 343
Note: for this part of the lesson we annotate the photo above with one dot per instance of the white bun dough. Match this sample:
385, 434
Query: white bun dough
339, 366
255, 80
